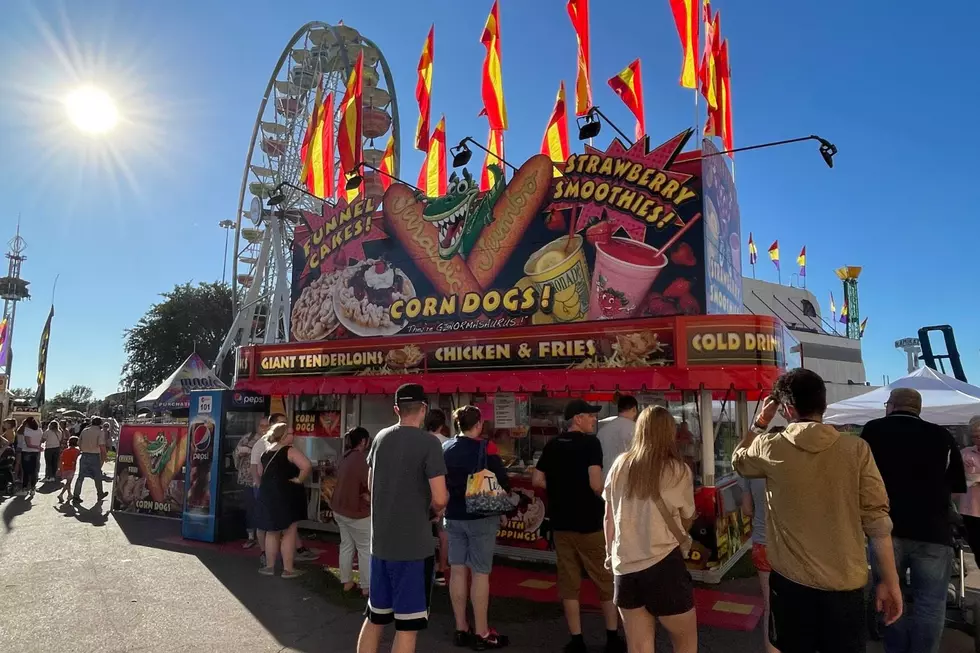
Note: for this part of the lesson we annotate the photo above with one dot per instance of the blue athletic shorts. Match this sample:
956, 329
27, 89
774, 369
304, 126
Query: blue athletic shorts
400, 592
472, 541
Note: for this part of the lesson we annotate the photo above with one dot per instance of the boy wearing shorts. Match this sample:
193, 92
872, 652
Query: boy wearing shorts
66, 467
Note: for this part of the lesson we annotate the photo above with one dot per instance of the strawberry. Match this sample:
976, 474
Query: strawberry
600, 232
678, 288
689, 305
683, 255
658, 305
379, 267
555, 221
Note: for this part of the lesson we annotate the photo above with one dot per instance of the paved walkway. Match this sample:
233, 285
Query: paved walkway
85, 580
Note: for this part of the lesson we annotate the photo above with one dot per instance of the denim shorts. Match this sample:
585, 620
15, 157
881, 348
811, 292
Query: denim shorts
471, 542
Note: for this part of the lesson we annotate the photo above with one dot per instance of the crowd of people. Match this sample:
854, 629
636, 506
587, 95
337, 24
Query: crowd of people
65, 446
825, 508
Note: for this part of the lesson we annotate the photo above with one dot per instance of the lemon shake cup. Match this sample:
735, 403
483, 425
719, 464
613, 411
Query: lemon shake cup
561, 264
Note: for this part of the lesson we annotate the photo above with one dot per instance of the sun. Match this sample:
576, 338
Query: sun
91, 110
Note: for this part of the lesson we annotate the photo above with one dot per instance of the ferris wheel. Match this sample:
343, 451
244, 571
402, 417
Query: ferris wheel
262, 265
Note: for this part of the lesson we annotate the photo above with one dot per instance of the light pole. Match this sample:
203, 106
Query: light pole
227, 225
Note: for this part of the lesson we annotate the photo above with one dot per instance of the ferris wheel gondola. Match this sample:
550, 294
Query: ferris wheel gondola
317, 52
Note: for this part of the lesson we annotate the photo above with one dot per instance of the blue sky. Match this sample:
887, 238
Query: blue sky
887, 82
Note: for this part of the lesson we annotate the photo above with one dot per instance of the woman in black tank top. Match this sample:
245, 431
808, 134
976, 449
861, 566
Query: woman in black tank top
283, 498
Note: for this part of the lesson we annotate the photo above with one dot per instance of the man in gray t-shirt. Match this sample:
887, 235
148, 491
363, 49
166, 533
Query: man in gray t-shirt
407, 477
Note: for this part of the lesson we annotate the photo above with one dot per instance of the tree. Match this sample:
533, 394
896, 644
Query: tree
77, 397
190, 318
22, 393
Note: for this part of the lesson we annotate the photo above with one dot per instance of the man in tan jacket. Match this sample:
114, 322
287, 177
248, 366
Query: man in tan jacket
825, 497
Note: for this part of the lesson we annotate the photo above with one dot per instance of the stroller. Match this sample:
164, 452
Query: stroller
8, 461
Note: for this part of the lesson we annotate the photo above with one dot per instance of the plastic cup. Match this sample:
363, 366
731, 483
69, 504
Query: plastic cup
562, 266
624, 271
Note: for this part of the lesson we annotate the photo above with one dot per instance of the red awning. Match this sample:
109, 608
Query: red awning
552, 381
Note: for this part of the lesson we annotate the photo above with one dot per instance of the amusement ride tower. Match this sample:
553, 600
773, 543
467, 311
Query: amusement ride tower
262, 258
849, 277
12, 290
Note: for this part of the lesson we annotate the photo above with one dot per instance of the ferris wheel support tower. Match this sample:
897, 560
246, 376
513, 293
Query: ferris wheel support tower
262, 255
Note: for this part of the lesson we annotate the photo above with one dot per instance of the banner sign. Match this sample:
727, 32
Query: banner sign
317, 423
203, 465
736, 344
620, 234
619, 346
723, 238
149, 475
524, 526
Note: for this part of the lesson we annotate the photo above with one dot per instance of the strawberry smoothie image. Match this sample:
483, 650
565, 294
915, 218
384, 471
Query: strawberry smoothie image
624, 271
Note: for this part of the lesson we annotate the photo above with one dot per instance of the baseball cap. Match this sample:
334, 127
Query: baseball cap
410, 393
906, 399
579, 406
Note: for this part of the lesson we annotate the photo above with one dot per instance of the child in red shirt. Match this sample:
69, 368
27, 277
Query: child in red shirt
66, 466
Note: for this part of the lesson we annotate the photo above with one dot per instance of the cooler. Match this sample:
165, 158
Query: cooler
214, 502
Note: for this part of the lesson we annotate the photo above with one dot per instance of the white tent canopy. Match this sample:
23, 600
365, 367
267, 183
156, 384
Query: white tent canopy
174, 393
945, 400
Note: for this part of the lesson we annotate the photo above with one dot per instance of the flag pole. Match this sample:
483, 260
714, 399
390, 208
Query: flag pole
753, 270
697, 119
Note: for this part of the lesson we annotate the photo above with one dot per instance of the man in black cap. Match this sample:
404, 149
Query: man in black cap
407, 477
570, 469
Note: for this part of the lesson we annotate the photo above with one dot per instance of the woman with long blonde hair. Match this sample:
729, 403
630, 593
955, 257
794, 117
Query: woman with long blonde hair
649, 508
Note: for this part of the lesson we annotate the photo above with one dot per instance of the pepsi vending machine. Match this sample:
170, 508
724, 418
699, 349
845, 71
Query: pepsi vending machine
214, 506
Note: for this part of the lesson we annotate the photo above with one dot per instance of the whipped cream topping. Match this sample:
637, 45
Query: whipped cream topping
378, 281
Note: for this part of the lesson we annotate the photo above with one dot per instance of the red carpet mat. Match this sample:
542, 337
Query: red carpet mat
715, 609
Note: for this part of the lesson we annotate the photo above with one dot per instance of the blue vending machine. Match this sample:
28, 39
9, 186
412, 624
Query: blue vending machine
214, 501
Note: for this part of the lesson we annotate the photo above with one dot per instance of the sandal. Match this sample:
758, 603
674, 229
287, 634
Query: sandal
249, 543
293, 574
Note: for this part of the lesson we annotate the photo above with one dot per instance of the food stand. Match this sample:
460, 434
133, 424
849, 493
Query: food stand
620, 274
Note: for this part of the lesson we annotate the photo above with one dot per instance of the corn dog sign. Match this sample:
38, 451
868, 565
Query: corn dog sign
619, 234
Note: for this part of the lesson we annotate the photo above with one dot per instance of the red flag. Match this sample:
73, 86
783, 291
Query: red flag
628, 85
349, 144
432, 177
715, 112
578, 11
387, 166
725, 87
706, 73
495, 143
493, 83
686, 19
423, 91
555, 141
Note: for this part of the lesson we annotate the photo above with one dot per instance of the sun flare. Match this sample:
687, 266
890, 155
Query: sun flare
91, 110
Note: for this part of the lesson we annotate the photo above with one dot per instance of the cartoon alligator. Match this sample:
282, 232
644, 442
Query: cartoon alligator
457, 214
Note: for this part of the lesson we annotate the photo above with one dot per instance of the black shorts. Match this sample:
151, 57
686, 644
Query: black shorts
664, 589
806, 620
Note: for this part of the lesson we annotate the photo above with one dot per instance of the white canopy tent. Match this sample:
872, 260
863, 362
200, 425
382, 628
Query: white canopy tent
173, 393
945, 400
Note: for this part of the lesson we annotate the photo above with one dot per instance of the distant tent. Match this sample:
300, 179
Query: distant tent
945, 400
174, 393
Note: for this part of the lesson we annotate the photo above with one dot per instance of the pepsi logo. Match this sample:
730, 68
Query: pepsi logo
201, 437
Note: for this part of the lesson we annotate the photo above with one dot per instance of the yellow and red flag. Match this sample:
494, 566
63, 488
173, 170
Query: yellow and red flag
433, 179
318, 150
707, 76
774, 253
387, 166
423, 91
493, 80
555, 142
578, 11
628, 85
686, 19
725, 99
349, 143
495, 143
